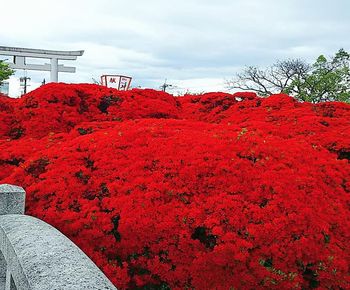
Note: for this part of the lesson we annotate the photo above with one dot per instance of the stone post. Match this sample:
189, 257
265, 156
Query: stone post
12, 199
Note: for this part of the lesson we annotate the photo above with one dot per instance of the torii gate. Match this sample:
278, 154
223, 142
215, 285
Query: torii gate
19, 59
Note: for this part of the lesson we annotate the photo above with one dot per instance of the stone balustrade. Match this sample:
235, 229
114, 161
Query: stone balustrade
36, 256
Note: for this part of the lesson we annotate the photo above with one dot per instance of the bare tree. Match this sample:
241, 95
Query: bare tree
274, 79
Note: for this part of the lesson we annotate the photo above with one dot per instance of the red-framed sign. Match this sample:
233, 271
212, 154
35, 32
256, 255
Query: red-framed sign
118, 82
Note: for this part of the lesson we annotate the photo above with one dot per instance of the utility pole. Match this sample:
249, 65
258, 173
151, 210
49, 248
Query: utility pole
24, 83
165, 86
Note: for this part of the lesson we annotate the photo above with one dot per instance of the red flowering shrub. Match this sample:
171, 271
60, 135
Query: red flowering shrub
6, 116
209, 107
58, 108
216, 191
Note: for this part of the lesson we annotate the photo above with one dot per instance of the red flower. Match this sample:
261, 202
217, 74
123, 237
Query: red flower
214, 191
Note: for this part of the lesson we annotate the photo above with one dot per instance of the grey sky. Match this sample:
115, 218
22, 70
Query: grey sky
194, 44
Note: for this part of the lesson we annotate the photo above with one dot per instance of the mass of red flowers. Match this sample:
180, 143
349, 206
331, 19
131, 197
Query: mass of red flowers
211, 191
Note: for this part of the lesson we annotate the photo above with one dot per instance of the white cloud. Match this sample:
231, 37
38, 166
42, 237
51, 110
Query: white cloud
192, 40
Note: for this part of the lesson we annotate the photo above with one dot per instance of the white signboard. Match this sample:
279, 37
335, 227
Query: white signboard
116, 81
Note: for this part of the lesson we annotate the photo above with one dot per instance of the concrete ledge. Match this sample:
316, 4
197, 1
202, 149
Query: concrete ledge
40, 257
12, 199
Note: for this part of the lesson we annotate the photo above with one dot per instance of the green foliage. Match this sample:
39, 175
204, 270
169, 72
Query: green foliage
328, 80
5, 71
325, 80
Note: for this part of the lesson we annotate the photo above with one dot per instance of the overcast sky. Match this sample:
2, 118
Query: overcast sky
195, 44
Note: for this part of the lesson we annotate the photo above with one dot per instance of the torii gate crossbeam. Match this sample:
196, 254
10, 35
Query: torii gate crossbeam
19, 59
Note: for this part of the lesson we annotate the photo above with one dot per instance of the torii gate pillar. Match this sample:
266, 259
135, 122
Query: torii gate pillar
54, 70
19, 59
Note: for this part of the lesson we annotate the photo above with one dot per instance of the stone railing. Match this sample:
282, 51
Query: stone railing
36, 256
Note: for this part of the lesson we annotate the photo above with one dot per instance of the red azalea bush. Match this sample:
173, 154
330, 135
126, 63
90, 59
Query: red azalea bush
215, 191
58, 108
